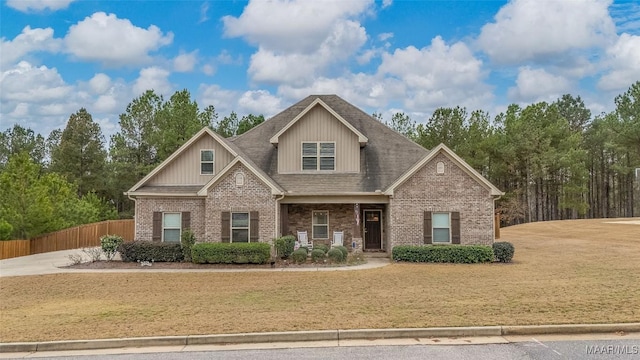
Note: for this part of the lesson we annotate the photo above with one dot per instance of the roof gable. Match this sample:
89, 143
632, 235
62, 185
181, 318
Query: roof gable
275, 189
318, 102
176, 154
442, 148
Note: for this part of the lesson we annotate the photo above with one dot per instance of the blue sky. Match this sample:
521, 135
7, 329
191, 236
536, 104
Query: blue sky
259, 57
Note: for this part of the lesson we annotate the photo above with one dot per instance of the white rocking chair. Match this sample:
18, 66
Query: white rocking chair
304, 240
338, 237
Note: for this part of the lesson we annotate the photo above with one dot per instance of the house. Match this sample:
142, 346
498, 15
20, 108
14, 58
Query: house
320, 166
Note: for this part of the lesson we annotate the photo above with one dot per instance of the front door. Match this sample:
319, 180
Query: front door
373, 229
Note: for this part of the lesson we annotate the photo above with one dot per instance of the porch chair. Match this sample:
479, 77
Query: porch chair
337, 238
304, 240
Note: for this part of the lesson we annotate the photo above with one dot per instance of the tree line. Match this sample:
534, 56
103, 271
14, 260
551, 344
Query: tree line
553, 160
73, 177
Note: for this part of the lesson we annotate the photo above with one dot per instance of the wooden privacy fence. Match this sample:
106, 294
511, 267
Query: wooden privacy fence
87, 235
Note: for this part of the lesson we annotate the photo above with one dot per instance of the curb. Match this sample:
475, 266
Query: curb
321, 335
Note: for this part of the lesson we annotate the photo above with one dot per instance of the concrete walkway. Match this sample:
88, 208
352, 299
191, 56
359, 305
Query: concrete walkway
52, 262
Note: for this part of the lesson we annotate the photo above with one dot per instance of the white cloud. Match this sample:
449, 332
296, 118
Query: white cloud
300, 68
185, 62
624, 61
536, 30
259, 102
38, 5
438, 75
29, 40
208, 69
30, 84
113, 41
223, 100
100, 83
291, 25
533, 85
152, 78
204, 10
385, 36
386, 3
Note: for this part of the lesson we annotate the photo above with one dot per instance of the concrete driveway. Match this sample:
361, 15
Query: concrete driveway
51, 262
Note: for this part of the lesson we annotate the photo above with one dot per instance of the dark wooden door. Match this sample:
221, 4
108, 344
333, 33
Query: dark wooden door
372, 229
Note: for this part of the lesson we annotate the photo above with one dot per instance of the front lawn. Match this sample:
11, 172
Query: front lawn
581, 271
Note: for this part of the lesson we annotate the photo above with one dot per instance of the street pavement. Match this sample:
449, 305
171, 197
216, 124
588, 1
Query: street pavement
595, 346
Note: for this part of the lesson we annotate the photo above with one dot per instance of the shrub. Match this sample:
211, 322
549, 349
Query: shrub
231, 253
306, 249
285, 246
5, 230
94, 253
109, 244
76, 259
466, 254
335, 255
299, 256
343, 250
317, 255
322, 247
503, 251
151, 251
186, 242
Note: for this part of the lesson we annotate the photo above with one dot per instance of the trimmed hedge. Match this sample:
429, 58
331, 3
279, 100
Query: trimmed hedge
231, 253
465, 254
503, 251
343, 250
150, 251
322, 247
317, 255
299, 256
336, 256
285, 246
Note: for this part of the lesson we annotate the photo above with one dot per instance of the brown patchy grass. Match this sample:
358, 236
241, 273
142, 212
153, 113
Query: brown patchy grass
579, 271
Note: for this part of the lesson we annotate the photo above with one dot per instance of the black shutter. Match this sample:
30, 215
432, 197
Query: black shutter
427, 227
455, 227
157, 226
225, 227
186, 220
254, 226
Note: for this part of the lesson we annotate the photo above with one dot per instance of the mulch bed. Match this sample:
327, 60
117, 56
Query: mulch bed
117, 264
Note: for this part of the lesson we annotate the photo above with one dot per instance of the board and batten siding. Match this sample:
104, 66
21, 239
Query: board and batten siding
185, 169
318, 125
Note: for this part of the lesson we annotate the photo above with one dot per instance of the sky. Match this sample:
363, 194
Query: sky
259, 57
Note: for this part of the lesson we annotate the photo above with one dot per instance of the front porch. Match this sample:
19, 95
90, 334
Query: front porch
364, 226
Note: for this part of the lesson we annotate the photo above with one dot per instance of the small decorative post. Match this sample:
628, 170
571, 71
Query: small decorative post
356, 242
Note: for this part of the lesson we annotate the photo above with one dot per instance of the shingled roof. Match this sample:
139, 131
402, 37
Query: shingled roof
386, 156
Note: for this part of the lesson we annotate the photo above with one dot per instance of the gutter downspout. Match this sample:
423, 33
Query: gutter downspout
135, 215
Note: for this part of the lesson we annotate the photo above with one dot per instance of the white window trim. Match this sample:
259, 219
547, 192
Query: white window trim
213, 151
317, 155
248, 227
172, 228
433, 239
313, 233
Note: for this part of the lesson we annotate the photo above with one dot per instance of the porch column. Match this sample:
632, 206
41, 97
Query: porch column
356, 241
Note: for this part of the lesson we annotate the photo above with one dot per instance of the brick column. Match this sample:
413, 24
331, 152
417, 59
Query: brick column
356, 241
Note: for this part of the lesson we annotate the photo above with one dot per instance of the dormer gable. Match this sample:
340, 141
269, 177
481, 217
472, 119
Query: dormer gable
318, 140
317, 102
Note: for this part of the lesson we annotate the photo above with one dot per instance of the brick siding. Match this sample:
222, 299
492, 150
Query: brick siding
254, 195
145, 207
454, 190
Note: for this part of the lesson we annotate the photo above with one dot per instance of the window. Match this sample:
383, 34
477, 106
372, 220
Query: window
240, 227
206, 162
320, 225
318, 156
239, 179
171, 227
440, 167
441, 228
